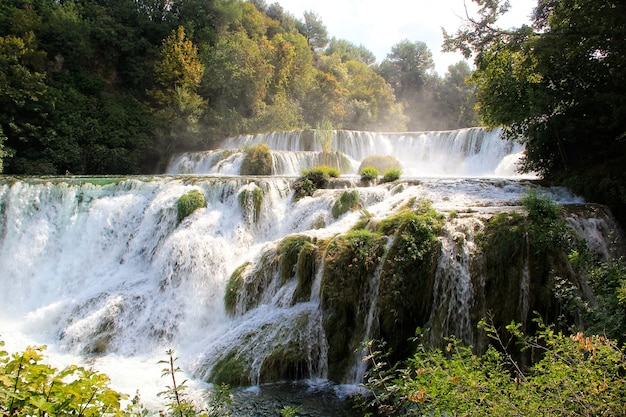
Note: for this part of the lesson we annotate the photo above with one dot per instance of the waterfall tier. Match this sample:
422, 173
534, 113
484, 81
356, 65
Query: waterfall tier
473, 152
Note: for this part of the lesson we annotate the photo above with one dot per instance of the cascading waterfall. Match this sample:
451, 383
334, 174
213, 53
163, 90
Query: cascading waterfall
102, 267
473, 152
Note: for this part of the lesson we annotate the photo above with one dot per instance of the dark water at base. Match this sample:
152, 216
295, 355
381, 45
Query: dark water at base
315, 399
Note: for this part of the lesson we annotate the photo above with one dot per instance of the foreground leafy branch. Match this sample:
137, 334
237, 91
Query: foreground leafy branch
570, 375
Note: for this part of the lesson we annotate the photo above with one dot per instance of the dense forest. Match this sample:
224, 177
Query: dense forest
116, 87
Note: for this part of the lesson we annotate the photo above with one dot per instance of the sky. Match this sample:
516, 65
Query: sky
380, 24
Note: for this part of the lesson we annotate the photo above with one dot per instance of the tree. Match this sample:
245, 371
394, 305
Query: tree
457, 98
350, 52
559, 86
315, 31
407, 67
178, 74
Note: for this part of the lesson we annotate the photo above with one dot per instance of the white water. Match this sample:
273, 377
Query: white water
107, 268
472, 152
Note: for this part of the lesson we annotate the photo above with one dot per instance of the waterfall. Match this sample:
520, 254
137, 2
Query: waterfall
102, 268
473, 152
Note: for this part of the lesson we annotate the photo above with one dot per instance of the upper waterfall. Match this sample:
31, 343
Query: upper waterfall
472, 152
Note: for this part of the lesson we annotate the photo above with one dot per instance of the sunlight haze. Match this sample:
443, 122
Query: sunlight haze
380, 25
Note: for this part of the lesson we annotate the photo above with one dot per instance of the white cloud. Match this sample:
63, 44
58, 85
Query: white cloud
380, 24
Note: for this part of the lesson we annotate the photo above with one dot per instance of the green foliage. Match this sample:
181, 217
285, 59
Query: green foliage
608, 314
392, 174
258, 161
289, 411
188, 203
557, 85
369, 173
312, 180
181, 405
381, 163
348, 200
571, 375
29, 387
325, 170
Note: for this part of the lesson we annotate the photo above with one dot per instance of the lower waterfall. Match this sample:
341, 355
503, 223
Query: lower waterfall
103, 272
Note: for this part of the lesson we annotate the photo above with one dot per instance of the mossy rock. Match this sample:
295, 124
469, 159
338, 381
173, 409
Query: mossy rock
349, 200
233, 289
257, 161
250, 200
276, 351
188, 203
349, 264
381, 163
407, 280
289, 252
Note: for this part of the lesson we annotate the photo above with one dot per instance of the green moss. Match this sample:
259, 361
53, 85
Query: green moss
278, 351
233, 288
305, 271
288, 253
348, 200
251, 200
257, 161
337, 160
407, 279
232, 369
188, 203
349, 263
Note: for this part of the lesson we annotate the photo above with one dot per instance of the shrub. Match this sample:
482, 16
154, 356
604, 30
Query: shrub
325, 170
392, 174
572, 375
29, 387
369, 173
257, 161
188, 203
312, 180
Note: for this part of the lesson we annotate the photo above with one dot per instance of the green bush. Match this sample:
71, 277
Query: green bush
29, 387
369, 173
392, 174
188, 203
325, 170
257, 161
312, 180
571, 375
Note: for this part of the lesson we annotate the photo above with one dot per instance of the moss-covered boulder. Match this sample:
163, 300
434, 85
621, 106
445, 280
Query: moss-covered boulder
407, 280
349, 200
381, 163
250, 200
288, 346
257, 161
293, 258
346, 295
188, 203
